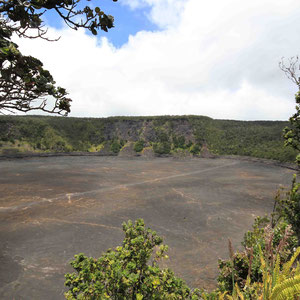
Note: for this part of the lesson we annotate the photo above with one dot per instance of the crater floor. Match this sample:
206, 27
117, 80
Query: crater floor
53, 208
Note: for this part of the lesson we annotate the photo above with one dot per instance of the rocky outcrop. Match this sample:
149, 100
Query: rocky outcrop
205, 153
127, 150
148, 129
148, 152
105, 150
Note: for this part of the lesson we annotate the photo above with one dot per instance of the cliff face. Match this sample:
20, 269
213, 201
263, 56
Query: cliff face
148, 130
163, 134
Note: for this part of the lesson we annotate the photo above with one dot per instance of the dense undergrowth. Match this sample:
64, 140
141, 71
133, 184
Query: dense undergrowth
165, 135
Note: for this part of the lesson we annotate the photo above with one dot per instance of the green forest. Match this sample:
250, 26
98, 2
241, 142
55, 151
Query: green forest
164, 134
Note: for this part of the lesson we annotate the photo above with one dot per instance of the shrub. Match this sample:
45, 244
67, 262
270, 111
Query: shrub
162, 147
139, 146
130, 271
272, 241
179, 142
115, 146
195, 149
288, 207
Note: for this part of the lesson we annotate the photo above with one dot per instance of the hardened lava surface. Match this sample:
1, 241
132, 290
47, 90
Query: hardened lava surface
53, 208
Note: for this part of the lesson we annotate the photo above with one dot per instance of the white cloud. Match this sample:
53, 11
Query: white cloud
216, 58
164, 13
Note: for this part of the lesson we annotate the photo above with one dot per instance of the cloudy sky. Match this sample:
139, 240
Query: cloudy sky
174, 57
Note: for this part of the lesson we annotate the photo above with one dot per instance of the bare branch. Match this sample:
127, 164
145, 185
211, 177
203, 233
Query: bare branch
291, 69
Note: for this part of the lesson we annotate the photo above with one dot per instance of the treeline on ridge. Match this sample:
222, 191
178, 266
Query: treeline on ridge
163, 134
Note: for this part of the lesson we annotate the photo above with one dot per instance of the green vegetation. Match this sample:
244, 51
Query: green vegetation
195, 149
259, 139
162, 147
24, 83
139, 146
165, 134
115, 146
292, 133
130, 271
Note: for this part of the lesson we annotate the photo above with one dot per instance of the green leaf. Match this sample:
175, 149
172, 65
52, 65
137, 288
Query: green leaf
139, 297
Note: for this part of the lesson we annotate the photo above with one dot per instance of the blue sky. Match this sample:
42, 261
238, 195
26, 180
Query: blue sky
174, 57
128, 21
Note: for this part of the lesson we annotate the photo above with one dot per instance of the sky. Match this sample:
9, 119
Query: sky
178, 57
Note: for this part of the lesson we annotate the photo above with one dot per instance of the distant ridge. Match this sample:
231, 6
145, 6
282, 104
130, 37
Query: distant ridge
164, 134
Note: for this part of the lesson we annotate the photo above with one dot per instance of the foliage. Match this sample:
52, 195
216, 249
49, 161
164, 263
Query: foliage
255, 272
24, 83
288, 207
258, 139
115, 146
53, 142
180, 153
23, 80
277, 283
139, 146
179, 142
130, 271
195, 149
292, 133
273, 241
162, 147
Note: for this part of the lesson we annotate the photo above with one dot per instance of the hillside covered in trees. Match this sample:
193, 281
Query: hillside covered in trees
164, 134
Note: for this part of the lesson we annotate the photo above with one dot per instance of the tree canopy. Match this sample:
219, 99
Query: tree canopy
291, 69
24, 84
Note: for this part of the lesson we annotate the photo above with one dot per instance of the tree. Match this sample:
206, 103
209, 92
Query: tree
130, 271
139, 146
115, 146
290, 206
24, 83
291, 68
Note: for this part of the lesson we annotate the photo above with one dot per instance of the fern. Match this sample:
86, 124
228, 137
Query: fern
287, 266
222, 296
239, 293
276, 271
288, 289
297, 269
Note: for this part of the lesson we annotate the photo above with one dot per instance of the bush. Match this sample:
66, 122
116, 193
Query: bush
130, 271
139, 146
272, 241
179, 142
195, 149
288, 207
115, 146
162, 147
